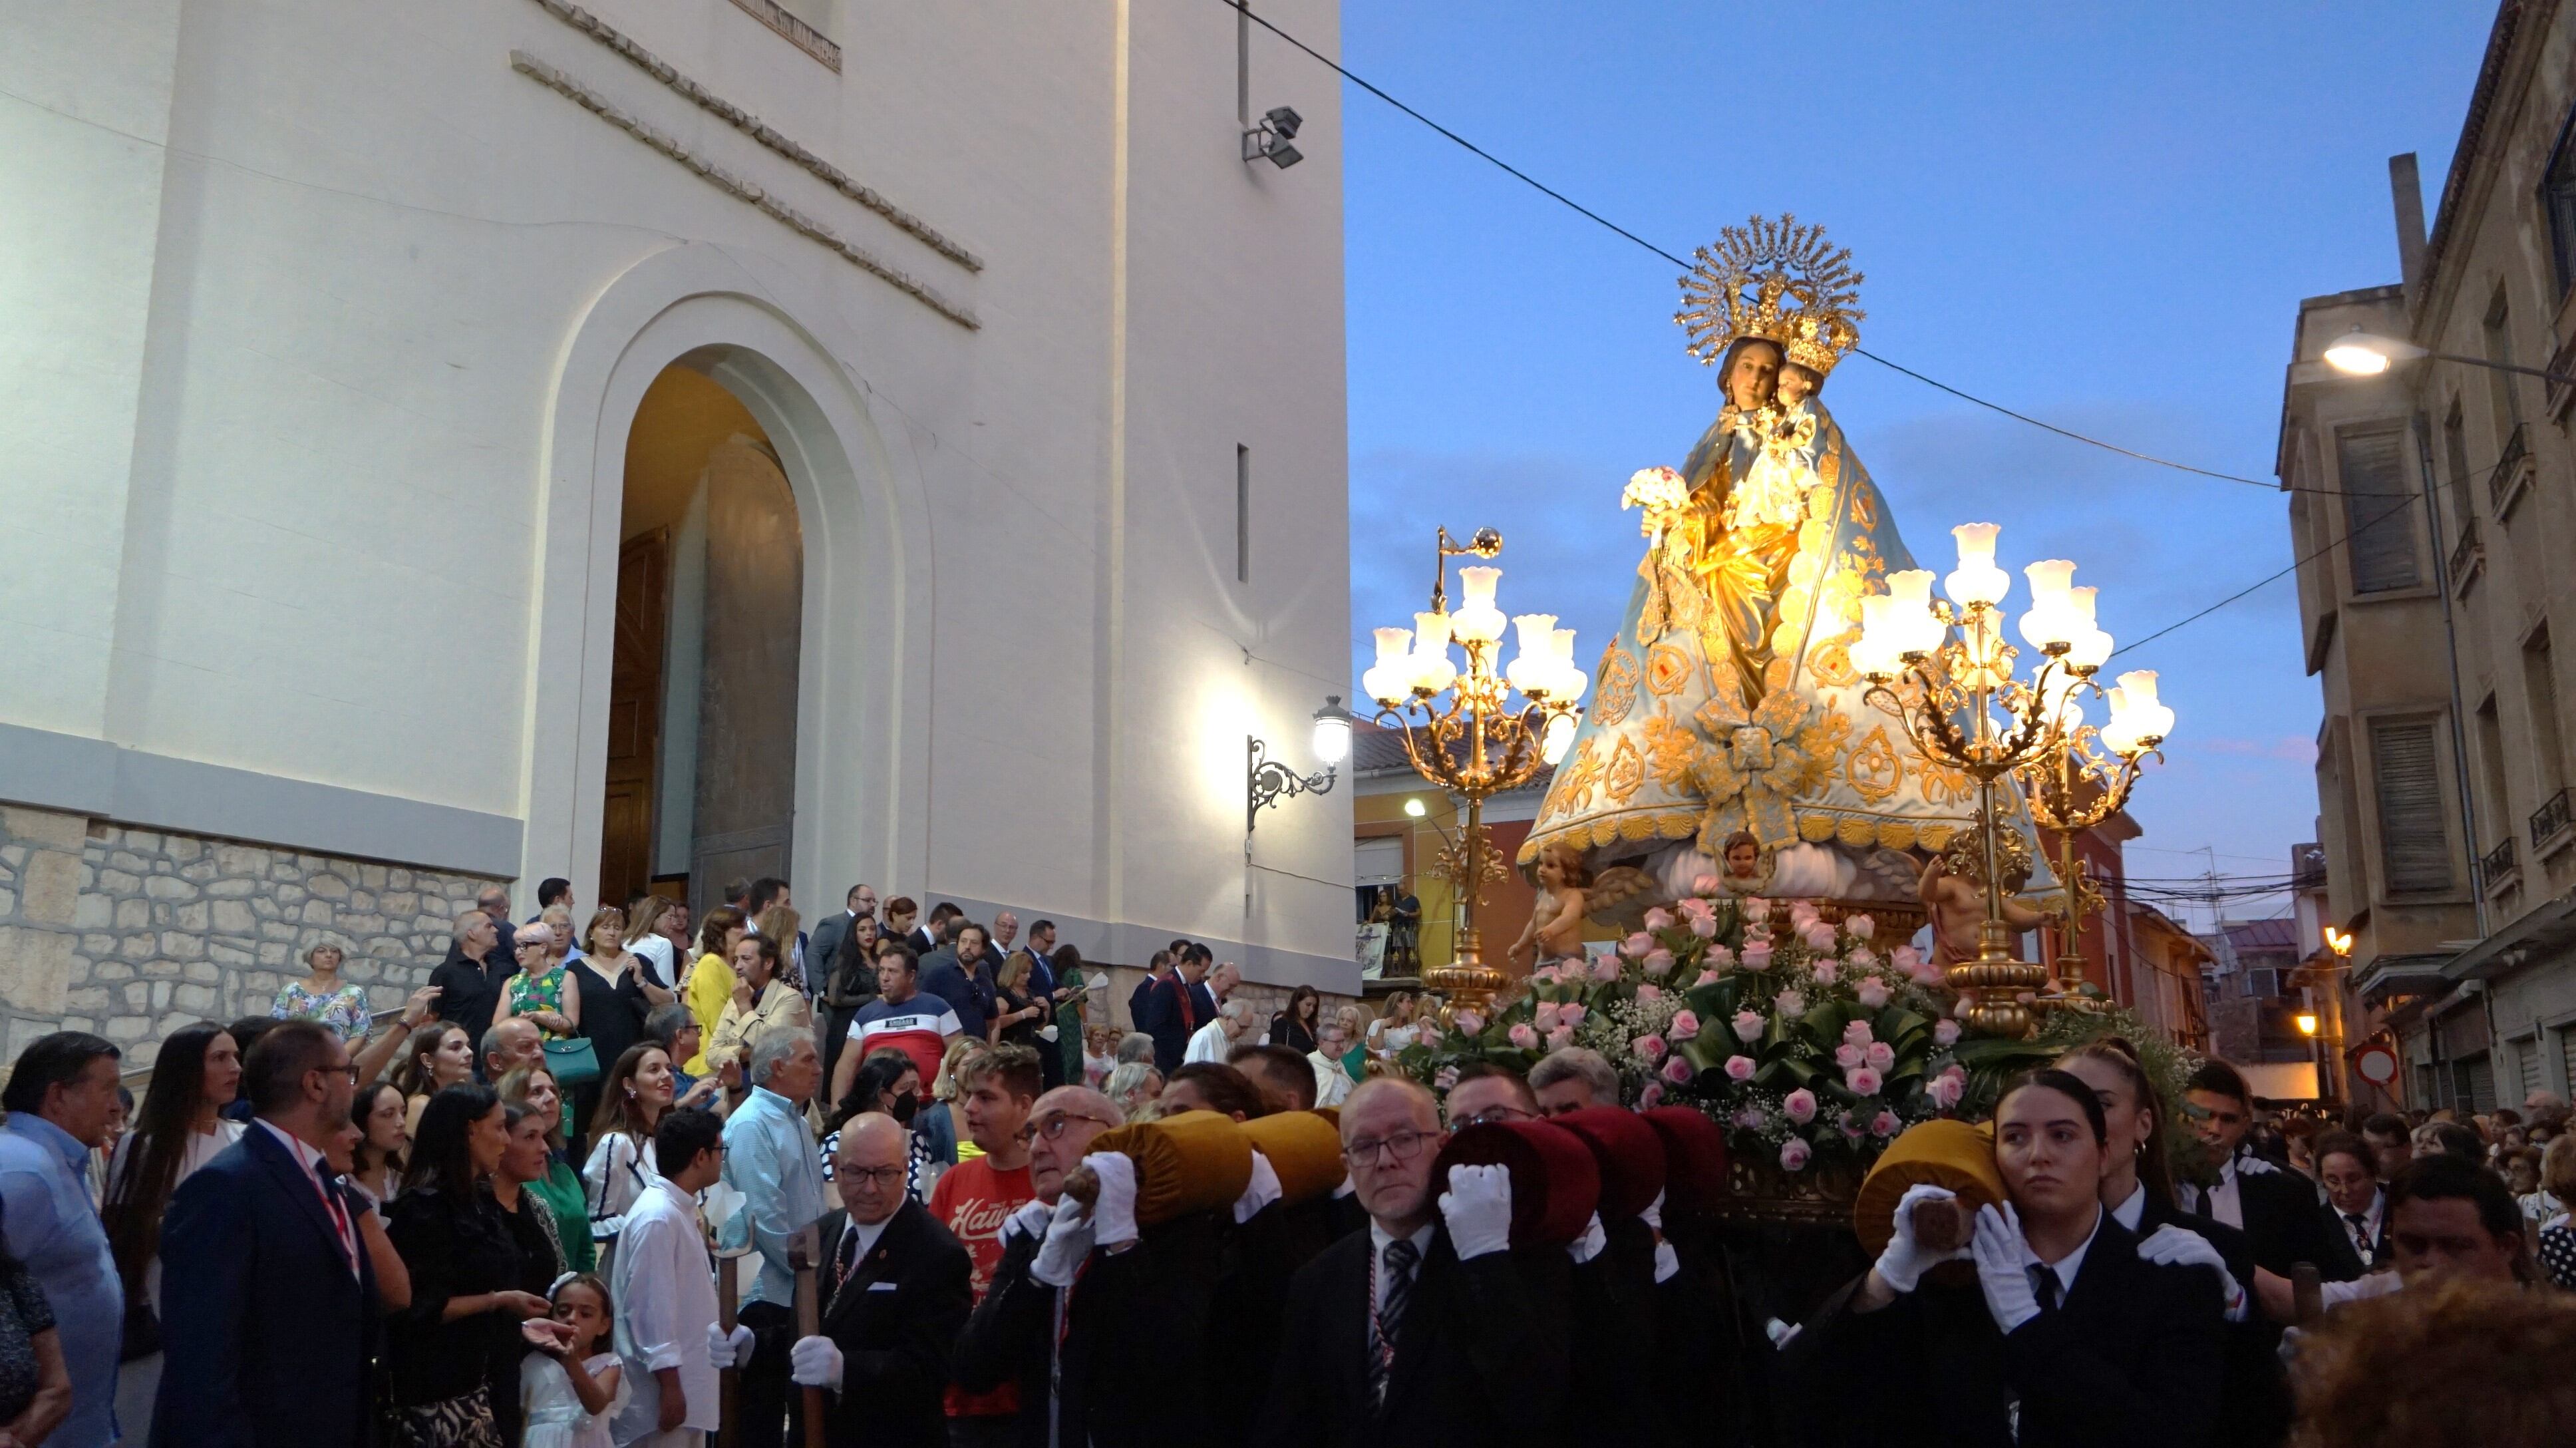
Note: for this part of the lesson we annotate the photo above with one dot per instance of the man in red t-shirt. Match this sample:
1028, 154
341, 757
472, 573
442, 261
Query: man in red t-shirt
995, 1088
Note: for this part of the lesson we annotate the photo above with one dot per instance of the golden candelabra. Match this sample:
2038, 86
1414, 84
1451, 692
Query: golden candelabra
1943, 670
1478, 743
2076, 789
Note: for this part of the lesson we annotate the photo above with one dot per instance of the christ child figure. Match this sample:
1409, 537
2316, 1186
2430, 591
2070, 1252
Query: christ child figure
1743, 871
1958, 908
1555, 929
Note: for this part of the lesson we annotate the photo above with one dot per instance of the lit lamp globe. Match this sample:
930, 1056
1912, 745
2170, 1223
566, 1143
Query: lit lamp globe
1392, 676
1916, 630
1560, 734
1477, 620
2091, 647
1429, 662
1977, 580
2359, 354
2149, 720
1571, 681
1332, 732
2049, 626
1533, 670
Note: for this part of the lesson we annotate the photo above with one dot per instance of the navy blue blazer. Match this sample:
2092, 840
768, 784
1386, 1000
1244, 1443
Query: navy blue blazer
270, 1339
1163, 1020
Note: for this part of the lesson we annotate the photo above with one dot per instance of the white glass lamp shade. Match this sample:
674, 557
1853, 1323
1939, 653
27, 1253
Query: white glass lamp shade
1533, 669
1332, 732
2359, 354
1568, 681
1977, 580
1389, 683
2091, 647
1478, 621
2149, 720
1913, 627
2050, 622
1393, 644
1560, 733
1430, 666
1875, 654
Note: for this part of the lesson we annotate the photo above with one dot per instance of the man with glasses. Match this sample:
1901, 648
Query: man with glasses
1488, 1092
895, 1293
1422, 1330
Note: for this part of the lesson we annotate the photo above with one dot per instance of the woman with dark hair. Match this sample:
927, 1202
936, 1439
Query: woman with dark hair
177, 1131
2067, 1335
889, 1083
433, 1060
378, 1112
611, 992
632, 1099
467, 1300
35, 1383
531, 1223
1070, 985
1297, 1025
851, 984
559, 1187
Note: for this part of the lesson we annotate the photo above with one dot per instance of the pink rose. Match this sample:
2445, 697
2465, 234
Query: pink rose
1606, 969
1570, 1014
1704, 926
1704, 884
1685, 1026
1718, 957
1791, 1004
1802, 913
1637, 944
1651, 1097
1856, 1033
1739, 1068
1756, 908
1817, 934
1861, 927
1847, 1055
1695, 907
1880, 1055
1946, 1088
1659, 918
1872, 992
1678, 1070
1650, 993
1827, 972
1659, 961
1445, 1077
1752, 1118
1469, 1023
1794, 1154
1748, 1026
1523, 1036
1800, 1105
1850, 1126
1862, 1080
1756, 955
1884, 1124
1907, 959
1560, 1038
1945, 1033
1860, 957
1545, 1017
1708, 977
1649, 1046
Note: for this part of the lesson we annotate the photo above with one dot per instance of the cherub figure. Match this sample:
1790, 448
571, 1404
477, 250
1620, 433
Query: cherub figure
1743, 870
1957, 903
1556, 922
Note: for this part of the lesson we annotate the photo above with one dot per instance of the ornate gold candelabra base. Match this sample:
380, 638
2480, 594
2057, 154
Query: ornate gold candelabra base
1994, 983
1466, 982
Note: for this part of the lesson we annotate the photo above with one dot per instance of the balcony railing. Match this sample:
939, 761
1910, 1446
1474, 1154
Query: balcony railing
2467, 554
2552, 819
2507, 473
2498, 863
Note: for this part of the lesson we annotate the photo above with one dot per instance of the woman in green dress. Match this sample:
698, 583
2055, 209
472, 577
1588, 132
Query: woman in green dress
533, 1086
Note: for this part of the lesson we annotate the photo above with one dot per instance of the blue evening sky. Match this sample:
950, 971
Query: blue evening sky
2100, 215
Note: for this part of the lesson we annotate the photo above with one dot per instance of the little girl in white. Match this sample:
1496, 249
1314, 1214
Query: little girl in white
569, 1387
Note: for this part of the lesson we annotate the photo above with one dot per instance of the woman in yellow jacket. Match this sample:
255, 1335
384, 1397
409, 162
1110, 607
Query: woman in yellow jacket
711, 981
762, 1002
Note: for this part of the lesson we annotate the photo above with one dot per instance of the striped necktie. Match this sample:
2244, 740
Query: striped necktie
1386, 1319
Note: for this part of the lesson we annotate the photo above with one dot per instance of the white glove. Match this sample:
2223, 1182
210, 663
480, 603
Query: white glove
2170, 1245
1113, 1216
1031, 1219
2003, 1259
815, 1362
1591, 1244
728, 1350
1067, 1245
1262, 1192
1478, 1209
1903, 1263
1668, 1263
1653, 1215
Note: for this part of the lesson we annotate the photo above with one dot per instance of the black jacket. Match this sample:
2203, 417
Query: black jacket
2254, 1405
2342, 1262
2131, 1360
1171, 1026
895, 1318
1480, 1357
2280, 1211
469, 991
271, 1338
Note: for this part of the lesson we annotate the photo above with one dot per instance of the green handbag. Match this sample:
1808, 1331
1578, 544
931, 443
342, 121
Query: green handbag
572, 1061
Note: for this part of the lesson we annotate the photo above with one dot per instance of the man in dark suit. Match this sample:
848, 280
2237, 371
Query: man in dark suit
471, 978
1177, 1008
895, 1294
860, 902
931, 934
268, 1296
2276, 1209
1140, 1001
959, 973
2356, 1208
1422, 1330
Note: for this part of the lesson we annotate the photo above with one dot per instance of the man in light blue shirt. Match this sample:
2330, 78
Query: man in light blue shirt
771, 1158
60, 1097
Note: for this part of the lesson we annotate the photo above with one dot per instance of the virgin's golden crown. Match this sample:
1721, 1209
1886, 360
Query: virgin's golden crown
1778, 280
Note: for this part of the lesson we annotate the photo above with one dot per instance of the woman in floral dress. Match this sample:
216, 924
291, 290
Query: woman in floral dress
323, 996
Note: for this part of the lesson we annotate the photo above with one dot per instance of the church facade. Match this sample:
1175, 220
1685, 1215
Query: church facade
655, 444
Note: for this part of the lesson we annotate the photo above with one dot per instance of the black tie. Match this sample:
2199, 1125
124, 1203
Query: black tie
847, 1257
2047, 1286
2360, 1235
1392, 1296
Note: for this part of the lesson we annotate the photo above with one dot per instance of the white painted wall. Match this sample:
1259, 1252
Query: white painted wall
320, 328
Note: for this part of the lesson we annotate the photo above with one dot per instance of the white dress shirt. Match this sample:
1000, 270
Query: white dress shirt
2064, 1268
1208, 1043
2364, 1239
665, 1291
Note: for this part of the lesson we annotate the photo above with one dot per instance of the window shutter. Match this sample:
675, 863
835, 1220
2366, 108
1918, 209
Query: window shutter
2414, 848
2379, 520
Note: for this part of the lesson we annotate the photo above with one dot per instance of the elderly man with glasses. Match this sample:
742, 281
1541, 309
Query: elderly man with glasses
1424, 1329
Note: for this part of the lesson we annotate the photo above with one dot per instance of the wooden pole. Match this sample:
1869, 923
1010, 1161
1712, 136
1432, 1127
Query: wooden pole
809, 1323
729, 1389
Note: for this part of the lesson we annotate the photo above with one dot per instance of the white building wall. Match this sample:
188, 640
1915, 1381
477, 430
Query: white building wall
319, 329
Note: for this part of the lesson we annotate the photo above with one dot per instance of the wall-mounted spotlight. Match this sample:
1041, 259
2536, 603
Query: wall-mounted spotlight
1268, 781
1269, 140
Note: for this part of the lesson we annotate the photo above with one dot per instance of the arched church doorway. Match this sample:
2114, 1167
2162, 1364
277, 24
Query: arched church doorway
701, 777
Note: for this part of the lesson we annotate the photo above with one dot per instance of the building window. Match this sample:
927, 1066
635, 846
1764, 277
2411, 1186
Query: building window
2558, 200
2502, 396
2490, 725
2414, 848
2455, 457
1242, 513
2379, 519
2540, 687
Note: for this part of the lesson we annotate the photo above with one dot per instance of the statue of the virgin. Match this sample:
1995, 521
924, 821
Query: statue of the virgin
1727, 736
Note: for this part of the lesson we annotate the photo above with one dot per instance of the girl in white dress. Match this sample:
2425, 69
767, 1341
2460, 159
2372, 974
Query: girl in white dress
568, 1388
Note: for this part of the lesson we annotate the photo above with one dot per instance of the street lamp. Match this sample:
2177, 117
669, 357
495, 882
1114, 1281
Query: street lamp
1267, 781
2307, 1022
1959, 703
2364, 354
1481, 742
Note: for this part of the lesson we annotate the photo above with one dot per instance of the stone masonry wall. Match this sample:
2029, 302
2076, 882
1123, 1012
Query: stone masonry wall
134, 933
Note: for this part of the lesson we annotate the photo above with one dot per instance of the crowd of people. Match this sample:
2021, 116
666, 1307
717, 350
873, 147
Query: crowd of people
632, 1186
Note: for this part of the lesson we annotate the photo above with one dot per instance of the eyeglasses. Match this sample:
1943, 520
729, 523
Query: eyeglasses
1405, 1145
1492, 1114
1053, 1127
883, 1178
